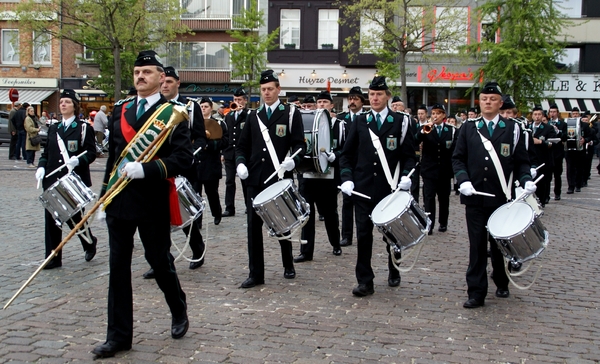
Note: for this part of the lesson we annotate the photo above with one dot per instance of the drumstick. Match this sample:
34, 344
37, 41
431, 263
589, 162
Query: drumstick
39, 184
63, 166
523, 194
278, 169
540, 166
357, 193
483, 194
396, 190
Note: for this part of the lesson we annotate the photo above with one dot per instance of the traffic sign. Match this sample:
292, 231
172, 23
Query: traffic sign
13, 95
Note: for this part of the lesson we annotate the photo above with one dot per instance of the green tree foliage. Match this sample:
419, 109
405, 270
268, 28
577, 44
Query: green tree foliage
114, 30
520, 46
398, 31
249, 53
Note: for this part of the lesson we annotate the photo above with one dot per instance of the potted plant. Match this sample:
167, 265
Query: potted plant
289, 46
327, 46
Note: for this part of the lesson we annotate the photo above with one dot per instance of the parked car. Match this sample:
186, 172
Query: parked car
4, 134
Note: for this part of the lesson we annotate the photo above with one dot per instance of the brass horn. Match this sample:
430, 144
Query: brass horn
427, 128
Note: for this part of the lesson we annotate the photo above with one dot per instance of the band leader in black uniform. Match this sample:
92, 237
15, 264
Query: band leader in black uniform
356, 100
436, 165
361, 169
475, 171
255, 166
143, 205
542, 147
235, 121
76, 137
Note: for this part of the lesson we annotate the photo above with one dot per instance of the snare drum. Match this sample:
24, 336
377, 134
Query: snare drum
574, 134
519, 233
66, 197
317, 134
402, 221
191, 204
532, 201
281, 208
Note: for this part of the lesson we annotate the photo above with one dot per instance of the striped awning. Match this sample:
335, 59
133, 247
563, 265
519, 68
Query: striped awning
32, 97
566, 105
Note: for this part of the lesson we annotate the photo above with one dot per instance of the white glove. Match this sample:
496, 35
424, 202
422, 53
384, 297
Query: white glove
330, 156
101, 214
347, 187
530, 187
405, 183
466, 188
72, 162
242, 171
134, 170
288, 164
533, 172
40, 173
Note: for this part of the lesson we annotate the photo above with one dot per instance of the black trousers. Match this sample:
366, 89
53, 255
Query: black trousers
12, 146
477, 281
347, 217
441, 188
323, 193
256, 257
415, 183
196, 241
557, 171
587, 168
364, 236
212, 195
156, 239
53, 234
543, 186
575, 164
230, 186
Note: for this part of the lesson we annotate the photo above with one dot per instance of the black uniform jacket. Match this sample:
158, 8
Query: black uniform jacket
146, 198
234, 129
558, 149
472, 162
542, 151
252, 149
209, 159
198, 134
359, 161
436, 158
75, 144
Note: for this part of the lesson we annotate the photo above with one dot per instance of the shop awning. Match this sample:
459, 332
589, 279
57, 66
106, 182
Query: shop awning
566, 105
90, 92
32, 97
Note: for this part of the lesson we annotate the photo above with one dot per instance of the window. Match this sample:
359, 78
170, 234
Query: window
198, 55
88, 54
487, 31
570, 60
571, 8
414, 28
328, 27
371, 31
239, 5
207, 9
10, 46
451, 24
289, 27
42, 46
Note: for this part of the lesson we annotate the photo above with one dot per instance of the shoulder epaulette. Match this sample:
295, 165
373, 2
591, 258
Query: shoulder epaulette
122, 101
476, 119
175, 102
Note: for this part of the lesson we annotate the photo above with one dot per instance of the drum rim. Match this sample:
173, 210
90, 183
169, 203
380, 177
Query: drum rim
288, 183
316, 146
377, 208
520, 231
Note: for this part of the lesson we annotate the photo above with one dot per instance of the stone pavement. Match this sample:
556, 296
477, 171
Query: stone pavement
314, 318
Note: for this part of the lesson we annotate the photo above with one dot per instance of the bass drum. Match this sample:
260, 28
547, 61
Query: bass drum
317, 135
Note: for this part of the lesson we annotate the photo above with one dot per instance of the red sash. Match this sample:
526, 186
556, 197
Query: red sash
175, 213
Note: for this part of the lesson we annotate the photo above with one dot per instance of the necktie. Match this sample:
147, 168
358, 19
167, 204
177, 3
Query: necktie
235, 115
269, 112
378, 118
353, 117
141, 108
491, 127
439, 130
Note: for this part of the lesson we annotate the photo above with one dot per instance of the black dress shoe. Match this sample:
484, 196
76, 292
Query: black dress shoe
251, 282
557, 198
345, 242
337, 251
196, 265
430, 232
443, 228
472, 303
546, 201
363, 290
149, 274
217, 220
109, 349
584, 184
302, 258
289, 273
90, 252
228, 213
180, 326
569, 192
502, 293
54, 263
577, 189
393, 281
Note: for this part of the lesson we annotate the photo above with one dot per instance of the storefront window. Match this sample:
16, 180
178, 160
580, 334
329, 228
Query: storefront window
571, 8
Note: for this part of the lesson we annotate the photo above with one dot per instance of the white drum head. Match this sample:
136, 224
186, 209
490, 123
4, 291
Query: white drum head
272, 191
179, 180
323, 134
396, 207
507, 222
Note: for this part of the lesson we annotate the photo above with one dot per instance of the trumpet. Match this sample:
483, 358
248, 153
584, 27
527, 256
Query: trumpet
235, 107
427, 128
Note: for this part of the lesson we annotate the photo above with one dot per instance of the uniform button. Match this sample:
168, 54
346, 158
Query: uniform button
374, 163
375, 153
234, 145
486, 158
234, 133
374, 174
262, 159
485, 169
485, 179
264, 149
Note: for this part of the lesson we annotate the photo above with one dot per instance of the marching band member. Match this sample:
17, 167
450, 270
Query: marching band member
323, 192
589, 149
541, 133
362, 166
285, 133
558, 149
576, 158
397, 104
356, 100
479, 170
66, 140
143, 205
436, 165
